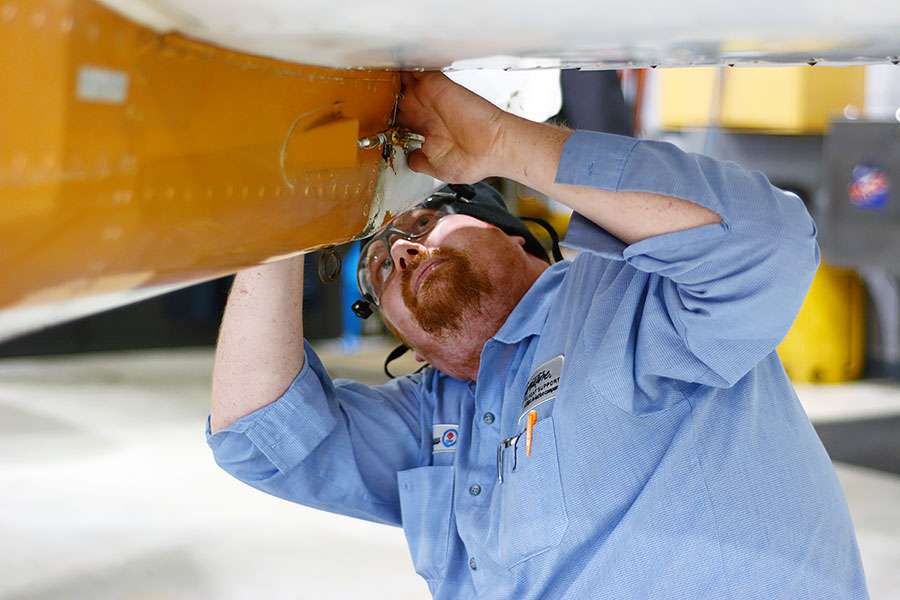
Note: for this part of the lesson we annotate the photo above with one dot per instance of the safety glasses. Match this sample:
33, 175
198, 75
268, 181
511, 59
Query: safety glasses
375, 263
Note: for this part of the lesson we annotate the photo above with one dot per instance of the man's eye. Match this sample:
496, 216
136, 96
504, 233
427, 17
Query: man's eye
381, 268
422, 224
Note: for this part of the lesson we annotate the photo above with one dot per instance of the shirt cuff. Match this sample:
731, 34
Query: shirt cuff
289, 429
593, 159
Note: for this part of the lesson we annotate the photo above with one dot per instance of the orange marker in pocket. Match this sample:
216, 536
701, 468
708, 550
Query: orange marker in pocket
532, 417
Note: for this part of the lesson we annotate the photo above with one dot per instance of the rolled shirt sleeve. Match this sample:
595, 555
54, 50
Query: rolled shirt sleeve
728, 292
334, 445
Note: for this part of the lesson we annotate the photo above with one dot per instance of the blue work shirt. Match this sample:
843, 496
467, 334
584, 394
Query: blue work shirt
670, 457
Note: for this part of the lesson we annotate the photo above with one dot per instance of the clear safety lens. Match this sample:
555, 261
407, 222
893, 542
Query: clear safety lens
375, 264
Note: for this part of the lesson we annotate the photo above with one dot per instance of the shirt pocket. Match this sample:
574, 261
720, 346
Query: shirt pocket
426, 502
533, 513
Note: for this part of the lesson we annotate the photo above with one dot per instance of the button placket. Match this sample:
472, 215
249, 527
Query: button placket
486, 434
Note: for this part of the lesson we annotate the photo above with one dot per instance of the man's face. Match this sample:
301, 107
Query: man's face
450, 290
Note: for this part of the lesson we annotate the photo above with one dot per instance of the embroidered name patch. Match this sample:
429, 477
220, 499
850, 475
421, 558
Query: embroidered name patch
444, 438
543, 383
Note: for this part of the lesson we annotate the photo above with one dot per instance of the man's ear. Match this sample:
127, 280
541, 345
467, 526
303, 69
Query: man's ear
516, 238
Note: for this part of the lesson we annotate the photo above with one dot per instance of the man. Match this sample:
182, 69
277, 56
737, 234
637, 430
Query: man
618, 426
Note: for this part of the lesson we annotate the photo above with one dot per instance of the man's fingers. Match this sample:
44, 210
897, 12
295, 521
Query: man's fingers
419, 163
424, 85
408, 79
430, 158
410, 114
436, 148
407, 87
410, 111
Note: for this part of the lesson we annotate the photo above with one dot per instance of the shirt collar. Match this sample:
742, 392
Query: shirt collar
530, 314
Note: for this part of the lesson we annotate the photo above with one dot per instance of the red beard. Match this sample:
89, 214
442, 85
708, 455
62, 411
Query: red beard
449, 294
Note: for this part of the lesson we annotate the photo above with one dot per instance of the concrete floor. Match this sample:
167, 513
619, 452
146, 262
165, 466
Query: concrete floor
108, 491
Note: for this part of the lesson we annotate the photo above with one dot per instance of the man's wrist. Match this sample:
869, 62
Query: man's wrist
529, 152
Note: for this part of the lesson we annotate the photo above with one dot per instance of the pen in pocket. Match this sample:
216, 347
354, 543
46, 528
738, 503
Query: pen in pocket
532, 418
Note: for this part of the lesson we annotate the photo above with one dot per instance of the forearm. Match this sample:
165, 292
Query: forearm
530, 152
260, 347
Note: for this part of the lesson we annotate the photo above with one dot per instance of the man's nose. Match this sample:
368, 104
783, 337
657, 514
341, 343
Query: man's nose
403, 251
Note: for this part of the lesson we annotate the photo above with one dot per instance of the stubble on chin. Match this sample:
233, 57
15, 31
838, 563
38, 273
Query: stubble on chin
450, 295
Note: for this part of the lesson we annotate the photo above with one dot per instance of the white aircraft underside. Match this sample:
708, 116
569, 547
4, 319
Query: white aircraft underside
524, 34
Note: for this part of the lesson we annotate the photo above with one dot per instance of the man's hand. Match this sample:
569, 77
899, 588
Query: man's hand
463, 132
468, 139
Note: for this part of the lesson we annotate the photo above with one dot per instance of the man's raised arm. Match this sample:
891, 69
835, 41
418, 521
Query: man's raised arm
260, 347
467, 139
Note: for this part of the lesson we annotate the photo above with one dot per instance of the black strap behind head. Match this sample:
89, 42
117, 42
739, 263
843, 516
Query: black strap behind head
554, 237
463, 190
394, 355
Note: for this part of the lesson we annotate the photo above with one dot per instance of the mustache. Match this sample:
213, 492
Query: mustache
442, 313
413, 263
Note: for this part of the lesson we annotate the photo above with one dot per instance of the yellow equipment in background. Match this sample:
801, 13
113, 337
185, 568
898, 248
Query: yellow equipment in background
827, 342
791, 100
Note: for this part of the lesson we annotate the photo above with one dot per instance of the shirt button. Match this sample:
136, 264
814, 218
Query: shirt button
472, 564
475, 489
488, 418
